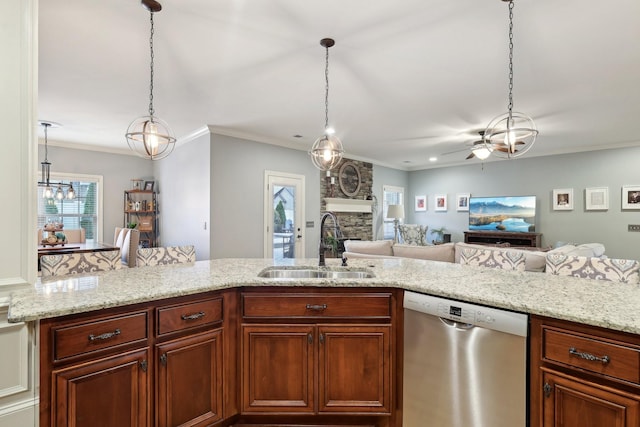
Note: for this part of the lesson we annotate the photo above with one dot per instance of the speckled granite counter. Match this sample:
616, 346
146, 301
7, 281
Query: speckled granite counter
598, 303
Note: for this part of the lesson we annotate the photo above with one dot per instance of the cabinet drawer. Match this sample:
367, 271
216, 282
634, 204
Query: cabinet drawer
594, 354
190, 315
99, 334
374, 305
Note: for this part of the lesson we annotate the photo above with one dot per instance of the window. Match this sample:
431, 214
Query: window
84, 211
391, 195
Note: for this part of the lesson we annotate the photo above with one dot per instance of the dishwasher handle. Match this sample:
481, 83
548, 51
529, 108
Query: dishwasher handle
458, 325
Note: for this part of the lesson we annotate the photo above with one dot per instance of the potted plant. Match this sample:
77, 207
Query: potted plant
331, 245
439, 232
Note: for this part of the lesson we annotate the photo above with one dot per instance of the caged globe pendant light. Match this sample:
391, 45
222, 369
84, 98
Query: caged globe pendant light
511, 134
150, 136
327, 151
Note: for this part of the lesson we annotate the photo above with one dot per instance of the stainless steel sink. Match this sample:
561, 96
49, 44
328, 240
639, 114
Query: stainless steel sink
314, 273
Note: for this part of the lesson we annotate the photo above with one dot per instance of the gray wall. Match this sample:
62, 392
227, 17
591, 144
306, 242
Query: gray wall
183, 183
237, 186
539, 176
117, 171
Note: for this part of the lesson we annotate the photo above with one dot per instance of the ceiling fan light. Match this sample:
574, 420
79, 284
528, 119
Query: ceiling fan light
481, 152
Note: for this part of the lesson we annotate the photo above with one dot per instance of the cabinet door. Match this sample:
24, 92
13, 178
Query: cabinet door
354, 373
277, 368
108, 392
189, 380
569, 402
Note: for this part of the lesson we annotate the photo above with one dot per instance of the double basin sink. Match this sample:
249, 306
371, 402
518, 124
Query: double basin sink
313, 273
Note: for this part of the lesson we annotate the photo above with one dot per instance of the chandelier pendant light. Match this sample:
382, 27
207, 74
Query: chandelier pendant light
149, 136
45, 166
327, 151
512, 134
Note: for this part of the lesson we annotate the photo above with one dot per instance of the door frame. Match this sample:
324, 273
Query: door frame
271, 177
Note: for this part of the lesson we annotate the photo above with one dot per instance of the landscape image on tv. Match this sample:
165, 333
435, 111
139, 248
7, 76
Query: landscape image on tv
517, 213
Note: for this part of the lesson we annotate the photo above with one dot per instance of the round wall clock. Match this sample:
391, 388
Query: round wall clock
349, 179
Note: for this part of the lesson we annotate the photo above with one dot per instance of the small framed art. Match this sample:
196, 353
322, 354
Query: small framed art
421, 203
148, 185
440, 202
596, 198
631, 197
462, 202
563, 199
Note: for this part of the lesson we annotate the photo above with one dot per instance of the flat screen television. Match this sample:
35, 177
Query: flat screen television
507, 213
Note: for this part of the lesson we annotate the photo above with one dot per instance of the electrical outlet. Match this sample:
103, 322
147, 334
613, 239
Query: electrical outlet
633, 227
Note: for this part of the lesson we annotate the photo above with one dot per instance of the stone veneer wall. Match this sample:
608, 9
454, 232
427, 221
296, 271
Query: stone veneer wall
353, 224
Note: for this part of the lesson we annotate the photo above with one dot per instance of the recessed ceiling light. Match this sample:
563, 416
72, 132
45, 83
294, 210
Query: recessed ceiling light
297, 136
433, 159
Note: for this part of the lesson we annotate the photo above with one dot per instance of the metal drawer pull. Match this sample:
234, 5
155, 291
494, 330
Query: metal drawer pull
104, 336
587, 356
194, 316
317, 307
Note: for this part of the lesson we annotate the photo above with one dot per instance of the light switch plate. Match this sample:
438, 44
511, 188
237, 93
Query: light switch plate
633, 227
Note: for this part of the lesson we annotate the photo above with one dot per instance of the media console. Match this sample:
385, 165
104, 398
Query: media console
503, 238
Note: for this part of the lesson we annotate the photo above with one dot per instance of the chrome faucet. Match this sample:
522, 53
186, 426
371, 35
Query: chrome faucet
336, 233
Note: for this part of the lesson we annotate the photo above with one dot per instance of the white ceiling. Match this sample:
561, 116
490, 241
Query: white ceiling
409, 79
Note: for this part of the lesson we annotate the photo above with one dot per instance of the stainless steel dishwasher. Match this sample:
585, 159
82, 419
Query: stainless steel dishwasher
465, 365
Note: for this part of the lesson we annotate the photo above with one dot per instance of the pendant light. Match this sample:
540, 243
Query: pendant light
150, 136
45, 182
327, 151
511, 134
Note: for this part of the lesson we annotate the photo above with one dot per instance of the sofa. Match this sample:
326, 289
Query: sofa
585, 260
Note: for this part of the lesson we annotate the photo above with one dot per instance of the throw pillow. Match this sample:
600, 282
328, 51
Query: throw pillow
501, 259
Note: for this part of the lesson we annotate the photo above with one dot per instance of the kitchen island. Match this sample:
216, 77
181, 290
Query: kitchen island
597, 303
252, 354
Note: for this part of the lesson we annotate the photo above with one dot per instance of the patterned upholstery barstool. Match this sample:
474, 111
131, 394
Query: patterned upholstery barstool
65, 264
165, 255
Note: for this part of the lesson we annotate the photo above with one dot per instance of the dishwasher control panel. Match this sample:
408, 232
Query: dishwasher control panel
458, 311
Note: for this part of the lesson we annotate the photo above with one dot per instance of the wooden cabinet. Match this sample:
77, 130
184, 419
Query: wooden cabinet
189, 380
107, 392
503, 238
141, 208
156, 364
322, 353
583, 376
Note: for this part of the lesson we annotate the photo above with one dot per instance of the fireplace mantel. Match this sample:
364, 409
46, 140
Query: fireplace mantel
334, 204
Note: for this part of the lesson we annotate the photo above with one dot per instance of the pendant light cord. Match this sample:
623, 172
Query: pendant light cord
46, 146
151, 111
326, 90
510, 106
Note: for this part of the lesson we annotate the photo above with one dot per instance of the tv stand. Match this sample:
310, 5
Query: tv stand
503, 238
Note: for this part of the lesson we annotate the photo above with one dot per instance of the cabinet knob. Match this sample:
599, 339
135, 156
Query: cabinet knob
547, 389
310, 338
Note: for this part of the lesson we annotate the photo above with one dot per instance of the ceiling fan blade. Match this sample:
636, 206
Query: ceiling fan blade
470, 156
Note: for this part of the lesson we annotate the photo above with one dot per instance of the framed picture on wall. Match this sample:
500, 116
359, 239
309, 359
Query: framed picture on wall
421, 203
631, 197
440, 202
596, 198
462, 202
563, 199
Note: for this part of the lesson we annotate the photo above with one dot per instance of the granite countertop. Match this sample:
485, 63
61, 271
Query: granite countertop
598, 303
